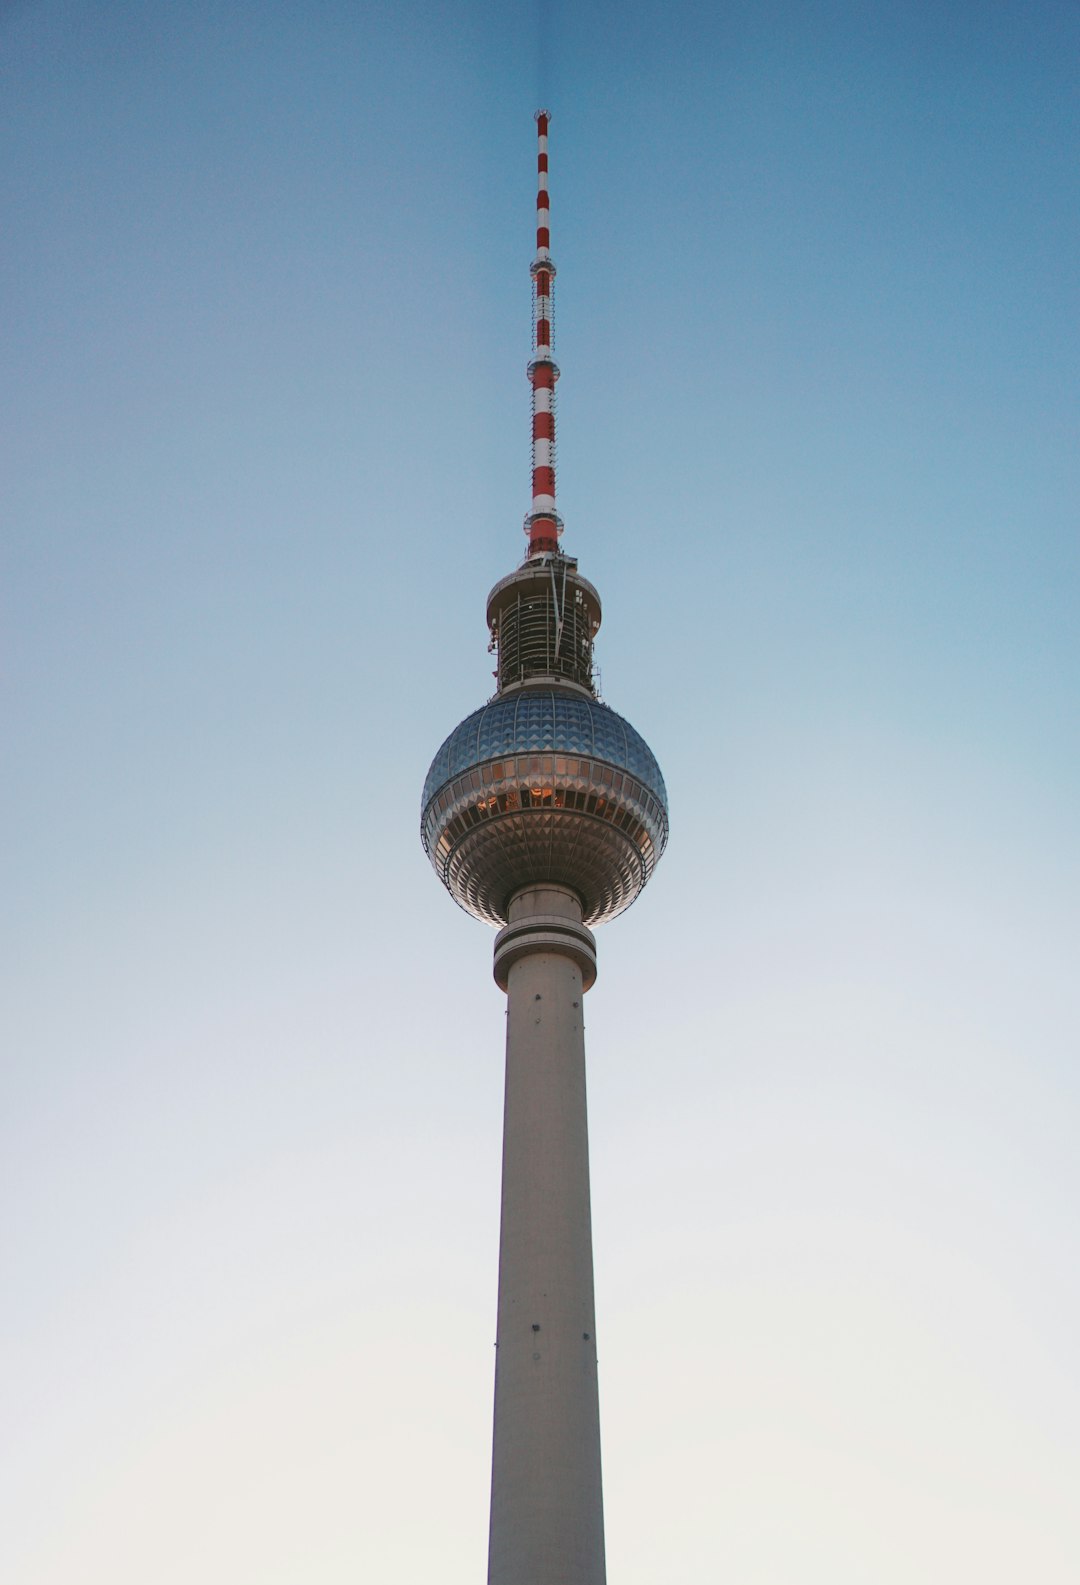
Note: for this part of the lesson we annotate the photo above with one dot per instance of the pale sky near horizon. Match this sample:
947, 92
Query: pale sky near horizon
266, 447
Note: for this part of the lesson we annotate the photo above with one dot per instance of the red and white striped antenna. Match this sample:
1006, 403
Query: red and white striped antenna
542, 523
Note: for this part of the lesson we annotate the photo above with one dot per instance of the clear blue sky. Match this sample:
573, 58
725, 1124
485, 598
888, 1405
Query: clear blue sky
265, 441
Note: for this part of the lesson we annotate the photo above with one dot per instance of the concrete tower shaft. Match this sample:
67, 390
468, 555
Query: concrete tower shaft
547, 1517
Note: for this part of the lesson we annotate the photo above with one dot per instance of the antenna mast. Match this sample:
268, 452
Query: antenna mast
543, 524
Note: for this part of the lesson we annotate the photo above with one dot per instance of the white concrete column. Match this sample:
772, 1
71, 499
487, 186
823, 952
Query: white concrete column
547, 1519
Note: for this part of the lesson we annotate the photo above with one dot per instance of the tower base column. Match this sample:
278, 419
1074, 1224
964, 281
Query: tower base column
547, 1521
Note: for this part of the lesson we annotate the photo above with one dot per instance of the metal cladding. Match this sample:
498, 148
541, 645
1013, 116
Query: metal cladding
544, 785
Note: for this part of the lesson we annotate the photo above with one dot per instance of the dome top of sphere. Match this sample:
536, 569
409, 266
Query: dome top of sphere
544, 784
535, 720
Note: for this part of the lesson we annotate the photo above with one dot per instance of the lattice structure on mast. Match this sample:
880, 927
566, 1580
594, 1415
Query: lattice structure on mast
543, 619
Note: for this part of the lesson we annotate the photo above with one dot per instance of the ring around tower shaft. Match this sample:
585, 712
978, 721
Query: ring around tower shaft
547, 1521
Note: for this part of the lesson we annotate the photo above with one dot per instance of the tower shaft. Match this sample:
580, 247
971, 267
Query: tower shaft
547, 1524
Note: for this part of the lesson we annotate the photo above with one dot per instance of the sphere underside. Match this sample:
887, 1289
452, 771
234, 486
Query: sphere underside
543, 785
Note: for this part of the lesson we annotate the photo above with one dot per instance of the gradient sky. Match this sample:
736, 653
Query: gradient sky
266, 449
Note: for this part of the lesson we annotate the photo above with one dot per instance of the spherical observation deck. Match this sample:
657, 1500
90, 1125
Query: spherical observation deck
544, 784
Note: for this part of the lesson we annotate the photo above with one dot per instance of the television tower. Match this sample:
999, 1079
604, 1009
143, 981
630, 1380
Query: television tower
544, 813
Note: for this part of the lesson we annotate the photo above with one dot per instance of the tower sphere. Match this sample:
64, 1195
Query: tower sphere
544, 785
